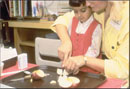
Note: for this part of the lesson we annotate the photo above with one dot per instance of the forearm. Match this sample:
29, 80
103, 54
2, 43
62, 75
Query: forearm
96, 64
63, 33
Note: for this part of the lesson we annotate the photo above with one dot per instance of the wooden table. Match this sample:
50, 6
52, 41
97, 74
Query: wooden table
25, 33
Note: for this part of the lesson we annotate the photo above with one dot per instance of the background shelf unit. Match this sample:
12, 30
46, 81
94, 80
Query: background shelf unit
25, 33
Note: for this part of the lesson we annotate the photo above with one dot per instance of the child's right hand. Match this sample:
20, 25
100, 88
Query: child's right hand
65, 50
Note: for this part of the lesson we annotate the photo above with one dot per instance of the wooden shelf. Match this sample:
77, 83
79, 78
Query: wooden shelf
25, 33
31, 24
27, 43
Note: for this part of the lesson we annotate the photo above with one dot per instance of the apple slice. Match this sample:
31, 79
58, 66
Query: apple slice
68, 82
65, 73
38, 74
63, 82
75, 81
59, 71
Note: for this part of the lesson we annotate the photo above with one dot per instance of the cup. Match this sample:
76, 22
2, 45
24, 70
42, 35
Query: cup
1, 67
22, 61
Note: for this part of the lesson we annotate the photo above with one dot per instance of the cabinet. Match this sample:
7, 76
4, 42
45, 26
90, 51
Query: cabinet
25, 33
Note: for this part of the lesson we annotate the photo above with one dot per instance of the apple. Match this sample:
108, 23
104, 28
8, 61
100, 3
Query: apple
75, 81
38, 74
63, 82
68, 82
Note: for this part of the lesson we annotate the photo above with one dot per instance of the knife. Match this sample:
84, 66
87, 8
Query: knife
17, 79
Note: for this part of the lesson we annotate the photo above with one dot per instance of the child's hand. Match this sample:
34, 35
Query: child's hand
72, 64
65, 50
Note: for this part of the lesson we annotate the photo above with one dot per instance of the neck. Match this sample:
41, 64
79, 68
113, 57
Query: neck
107, 11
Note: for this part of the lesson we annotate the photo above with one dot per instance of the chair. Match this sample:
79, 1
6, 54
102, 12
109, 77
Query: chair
46, 52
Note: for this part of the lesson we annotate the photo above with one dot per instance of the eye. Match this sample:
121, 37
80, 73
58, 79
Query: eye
83, 10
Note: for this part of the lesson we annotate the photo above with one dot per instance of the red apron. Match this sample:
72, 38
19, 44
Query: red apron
81, 42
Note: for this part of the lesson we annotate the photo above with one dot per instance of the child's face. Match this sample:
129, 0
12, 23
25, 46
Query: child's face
82, 13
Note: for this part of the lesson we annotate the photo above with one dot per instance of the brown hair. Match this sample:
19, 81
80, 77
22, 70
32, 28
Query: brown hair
77, 3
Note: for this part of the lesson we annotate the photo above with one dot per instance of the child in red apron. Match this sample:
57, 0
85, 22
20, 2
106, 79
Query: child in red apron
85, 32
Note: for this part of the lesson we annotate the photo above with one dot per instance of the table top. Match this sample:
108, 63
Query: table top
104, 83
87, 80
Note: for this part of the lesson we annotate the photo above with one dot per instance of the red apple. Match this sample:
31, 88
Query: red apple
75, 81
64, 83
37, 74
68, 82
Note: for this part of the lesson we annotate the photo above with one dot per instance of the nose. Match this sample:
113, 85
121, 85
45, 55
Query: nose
78, 14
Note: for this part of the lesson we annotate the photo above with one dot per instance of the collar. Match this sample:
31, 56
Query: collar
82, 27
